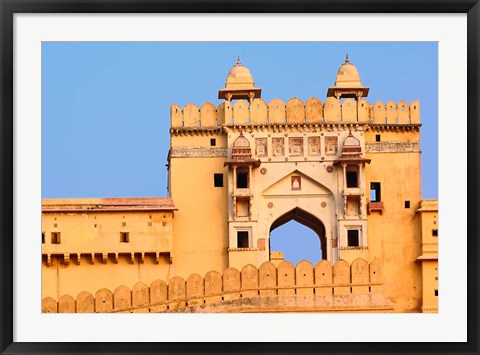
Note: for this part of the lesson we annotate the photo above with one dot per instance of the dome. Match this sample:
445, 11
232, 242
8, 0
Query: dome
347, 76
347, 83
351, 147
351, 141
241, 142
239, 77
241, 148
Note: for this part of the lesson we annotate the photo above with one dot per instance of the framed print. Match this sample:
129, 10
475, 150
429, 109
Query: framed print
273, 181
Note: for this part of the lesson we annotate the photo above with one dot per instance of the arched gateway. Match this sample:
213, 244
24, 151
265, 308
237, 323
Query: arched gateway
306, 219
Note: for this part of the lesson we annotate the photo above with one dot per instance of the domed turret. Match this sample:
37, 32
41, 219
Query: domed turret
239, 84
348, 83
239, 77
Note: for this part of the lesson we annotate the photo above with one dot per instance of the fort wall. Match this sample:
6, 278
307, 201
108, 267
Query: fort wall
342, 287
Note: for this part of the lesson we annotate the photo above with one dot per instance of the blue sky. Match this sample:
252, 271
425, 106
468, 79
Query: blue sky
105, 106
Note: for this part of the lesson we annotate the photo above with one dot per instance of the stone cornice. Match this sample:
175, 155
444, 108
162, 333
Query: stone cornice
297, 127
197, 152
393, 127
392, 147
196, 131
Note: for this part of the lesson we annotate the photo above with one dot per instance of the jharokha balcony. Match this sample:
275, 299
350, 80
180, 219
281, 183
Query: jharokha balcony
375, 206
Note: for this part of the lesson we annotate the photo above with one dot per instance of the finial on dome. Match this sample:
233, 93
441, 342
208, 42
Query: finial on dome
239, 84
347, 82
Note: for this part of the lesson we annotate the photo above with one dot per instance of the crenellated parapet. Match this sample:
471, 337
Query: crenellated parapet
323, 287
294, 112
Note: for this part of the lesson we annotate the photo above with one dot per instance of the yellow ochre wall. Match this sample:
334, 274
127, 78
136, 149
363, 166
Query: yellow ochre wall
201, 223
429, 258
395, 235
69, 268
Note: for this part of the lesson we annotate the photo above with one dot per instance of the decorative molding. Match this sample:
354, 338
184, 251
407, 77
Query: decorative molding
393, 127
242, 249
430, 205
197, 152
195, 131
354, 248
392, 147
296, 127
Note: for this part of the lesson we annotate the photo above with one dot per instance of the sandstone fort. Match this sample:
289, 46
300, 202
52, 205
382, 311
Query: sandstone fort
347, 169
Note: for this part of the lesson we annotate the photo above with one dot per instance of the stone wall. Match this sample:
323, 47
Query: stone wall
304, 287
313, 111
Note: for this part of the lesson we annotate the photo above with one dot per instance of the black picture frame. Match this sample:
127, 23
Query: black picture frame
10, 7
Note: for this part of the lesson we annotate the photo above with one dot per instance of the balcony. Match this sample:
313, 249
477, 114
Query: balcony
352, 191
375, 207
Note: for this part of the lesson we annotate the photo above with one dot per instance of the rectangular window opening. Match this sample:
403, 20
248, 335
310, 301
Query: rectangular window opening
377, 138
407, 204
434, 232
218, 180
242, 180
242, 239
352, 236
43, 237
124, 237
55, 237
375, 192
213, 142
352, 179
436, 293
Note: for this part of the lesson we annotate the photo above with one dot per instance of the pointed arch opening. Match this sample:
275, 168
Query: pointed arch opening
298, 244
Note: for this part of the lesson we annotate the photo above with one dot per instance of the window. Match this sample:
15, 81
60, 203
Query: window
43, 237
55, 237
213, 142
124, 237
377, 138
436, 293
352, 238
375, 192
242, 180
434, 232
218, 180
242, 239
352, 179
407, 204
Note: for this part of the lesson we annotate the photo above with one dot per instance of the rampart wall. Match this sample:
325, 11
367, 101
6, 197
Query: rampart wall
323, 287
313, 111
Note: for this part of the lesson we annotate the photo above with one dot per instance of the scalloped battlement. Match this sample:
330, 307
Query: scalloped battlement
313, 111
323, 287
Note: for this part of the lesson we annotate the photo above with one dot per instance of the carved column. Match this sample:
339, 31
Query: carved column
344, 166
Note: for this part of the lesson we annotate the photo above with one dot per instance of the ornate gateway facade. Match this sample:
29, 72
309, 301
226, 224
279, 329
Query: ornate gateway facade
346, 168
